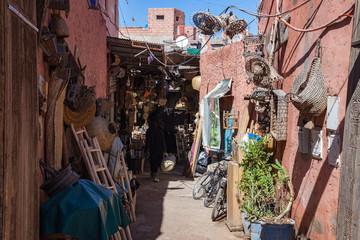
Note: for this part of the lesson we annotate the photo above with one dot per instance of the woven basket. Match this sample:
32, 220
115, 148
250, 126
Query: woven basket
85, 98
308, 92
79, 119
279, 115
99, 128
260, 72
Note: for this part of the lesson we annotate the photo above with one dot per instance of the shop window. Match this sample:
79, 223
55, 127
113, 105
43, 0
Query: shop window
159, 17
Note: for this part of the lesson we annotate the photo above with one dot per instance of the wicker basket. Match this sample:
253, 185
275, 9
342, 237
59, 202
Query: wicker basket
260, 72
79, 119
279, 115
308, 92
100, 128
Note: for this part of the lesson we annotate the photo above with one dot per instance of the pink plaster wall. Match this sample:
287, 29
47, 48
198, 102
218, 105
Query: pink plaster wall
88, 32
226, 62
315, 182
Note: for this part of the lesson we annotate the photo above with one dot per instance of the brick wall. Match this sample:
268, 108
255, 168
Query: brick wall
165, 28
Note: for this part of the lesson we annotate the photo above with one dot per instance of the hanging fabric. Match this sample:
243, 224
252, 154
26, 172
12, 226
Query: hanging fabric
210, 111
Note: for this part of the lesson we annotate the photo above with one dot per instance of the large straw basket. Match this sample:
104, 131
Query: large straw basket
79, 119
102, 129
308, 92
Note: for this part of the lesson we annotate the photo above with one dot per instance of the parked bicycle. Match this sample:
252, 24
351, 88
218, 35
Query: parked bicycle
220, 205
209, 184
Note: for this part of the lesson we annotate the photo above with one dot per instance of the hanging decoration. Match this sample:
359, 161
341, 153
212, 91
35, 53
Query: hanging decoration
279, 36
260, 72
279, 115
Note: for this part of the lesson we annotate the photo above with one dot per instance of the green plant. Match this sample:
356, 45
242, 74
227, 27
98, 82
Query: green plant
260, 179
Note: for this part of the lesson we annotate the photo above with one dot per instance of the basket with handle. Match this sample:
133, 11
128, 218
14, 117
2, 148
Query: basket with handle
308, 92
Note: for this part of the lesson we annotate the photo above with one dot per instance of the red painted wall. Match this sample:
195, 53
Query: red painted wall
226, 62
88, 30
315, 182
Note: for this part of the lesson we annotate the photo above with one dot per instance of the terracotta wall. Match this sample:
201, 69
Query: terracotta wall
316, 183
226, 62
159, 30
88, 30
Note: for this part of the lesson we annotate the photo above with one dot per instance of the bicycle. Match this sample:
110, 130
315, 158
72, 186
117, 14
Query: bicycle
220, 205
214, 184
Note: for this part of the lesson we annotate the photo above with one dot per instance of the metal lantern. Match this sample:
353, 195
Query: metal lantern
48, 44
93, 4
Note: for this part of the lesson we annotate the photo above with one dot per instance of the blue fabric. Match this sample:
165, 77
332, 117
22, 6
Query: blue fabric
85, 210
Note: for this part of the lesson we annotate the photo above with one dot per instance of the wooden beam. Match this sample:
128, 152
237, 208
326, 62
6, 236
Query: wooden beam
233, 221
348, 222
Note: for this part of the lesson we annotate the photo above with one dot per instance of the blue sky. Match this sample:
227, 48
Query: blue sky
138, 10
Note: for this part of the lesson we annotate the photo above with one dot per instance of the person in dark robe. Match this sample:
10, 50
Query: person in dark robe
155, 146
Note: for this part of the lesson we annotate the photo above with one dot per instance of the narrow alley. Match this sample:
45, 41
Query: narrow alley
165, 210
179, 120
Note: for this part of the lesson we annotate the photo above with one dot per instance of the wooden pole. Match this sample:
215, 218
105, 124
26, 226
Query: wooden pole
233, 221
196, 149
128, 186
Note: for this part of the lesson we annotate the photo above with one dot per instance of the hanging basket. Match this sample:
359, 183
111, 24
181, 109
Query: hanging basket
279, 115
79, 119
86, 98
308, 92
260, 72
103, 130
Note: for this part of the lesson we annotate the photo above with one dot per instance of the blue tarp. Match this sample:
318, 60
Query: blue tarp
85, 210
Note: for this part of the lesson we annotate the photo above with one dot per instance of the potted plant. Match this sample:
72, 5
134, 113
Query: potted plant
267, 193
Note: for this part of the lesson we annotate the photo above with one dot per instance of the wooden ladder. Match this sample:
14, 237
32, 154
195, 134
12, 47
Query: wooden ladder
97, 169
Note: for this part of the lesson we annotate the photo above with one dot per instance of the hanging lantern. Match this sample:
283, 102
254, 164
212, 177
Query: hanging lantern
48, 44
93, 4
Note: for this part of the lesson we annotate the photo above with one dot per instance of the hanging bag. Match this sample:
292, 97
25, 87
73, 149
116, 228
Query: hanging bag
308, 92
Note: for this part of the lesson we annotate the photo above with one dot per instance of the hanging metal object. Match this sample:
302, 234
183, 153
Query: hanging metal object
60, 5
254, 46
93, 4
48, 44
206, 22
260, 72
235, 26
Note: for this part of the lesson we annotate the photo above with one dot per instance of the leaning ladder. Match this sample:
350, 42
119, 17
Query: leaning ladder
97, 169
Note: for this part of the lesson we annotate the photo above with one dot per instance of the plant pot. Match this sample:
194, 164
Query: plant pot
277, 231
245, 222
267, 231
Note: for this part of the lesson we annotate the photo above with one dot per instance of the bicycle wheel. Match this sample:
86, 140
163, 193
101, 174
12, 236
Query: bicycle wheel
210, 197
220, 205
200, 186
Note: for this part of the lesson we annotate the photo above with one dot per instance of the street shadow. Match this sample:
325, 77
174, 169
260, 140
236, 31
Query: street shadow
150, 201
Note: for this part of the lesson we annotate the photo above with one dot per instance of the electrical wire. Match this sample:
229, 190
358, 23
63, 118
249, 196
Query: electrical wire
180, 64
264, 15
103, 12
345, 14
159, 61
